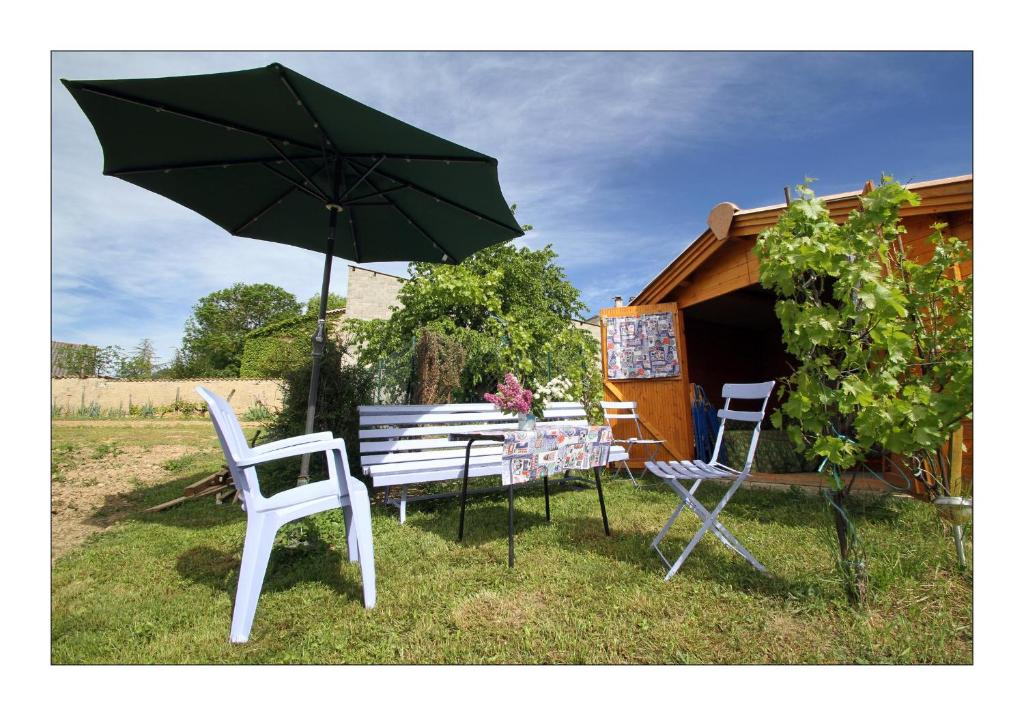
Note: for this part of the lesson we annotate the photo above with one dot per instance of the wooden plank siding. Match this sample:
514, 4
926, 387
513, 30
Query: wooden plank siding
709, 268
663, 404
731, 268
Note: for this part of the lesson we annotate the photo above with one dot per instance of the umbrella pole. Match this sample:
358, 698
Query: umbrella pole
319, 338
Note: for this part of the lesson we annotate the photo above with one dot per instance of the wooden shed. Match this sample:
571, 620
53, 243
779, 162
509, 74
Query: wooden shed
725, 329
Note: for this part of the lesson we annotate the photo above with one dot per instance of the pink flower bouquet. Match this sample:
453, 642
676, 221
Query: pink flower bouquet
511, 396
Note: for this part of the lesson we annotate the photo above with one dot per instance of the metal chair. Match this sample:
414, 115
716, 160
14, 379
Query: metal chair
674, 473
266, 515
627, 411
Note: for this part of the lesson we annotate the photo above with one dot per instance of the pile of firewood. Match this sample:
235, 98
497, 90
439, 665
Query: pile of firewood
219, 484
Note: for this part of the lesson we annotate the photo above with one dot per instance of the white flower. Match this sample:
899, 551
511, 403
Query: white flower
558, 388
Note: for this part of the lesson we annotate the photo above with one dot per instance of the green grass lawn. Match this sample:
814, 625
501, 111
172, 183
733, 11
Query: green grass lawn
158, 587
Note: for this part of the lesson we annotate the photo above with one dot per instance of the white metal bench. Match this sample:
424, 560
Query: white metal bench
402, 445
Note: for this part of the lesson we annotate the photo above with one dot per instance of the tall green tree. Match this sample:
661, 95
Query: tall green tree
215, 333
884, 342
511, 308
137, 363
333, 301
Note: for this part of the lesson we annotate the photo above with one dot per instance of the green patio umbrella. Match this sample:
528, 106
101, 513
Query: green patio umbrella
270, 154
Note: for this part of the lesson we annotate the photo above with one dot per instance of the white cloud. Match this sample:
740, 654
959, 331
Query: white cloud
565, 127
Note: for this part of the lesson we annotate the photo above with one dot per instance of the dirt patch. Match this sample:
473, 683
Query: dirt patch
93, 477
145, 423
505, 612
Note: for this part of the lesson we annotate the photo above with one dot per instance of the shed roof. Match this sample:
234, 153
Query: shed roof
937, 195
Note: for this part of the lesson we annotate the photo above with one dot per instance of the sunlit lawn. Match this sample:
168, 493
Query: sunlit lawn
158, 587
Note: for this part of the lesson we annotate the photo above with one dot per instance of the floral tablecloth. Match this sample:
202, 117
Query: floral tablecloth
530, 454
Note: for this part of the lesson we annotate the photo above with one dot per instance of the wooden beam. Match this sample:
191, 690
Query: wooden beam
184, 498
720, 219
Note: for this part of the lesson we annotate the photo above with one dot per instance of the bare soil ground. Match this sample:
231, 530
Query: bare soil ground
99, 468
103, 486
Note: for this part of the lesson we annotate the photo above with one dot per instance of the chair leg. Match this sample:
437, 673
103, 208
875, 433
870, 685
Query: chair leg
728, 538
600, 498
629, 472
686, 552
363, 529
650, 458
668, 525
401, 505
511, 526
547, 501
259, 541
709, 521
351, 534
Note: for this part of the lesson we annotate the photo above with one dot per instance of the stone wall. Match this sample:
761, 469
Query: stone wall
72, 393
371, 293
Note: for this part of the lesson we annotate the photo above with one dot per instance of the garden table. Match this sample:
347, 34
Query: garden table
538, 453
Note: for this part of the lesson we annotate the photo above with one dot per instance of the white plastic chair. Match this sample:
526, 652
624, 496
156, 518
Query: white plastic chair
266, 515
627, 411
674, 473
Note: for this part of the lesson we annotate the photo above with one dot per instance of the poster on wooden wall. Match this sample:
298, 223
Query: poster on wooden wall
639, 347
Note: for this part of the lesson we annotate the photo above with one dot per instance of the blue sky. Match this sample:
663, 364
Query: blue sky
615, 158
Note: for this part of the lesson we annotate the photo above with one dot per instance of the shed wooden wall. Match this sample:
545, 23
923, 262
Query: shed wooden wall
710, 267
663, 403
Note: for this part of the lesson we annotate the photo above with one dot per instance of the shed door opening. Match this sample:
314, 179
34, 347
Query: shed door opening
735, 338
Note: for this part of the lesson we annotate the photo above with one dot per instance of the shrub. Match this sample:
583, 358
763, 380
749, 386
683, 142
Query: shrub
258, 412
343, 386
439, 363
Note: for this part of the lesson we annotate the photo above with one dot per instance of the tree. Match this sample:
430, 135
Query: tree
139, 363
510, 308
884, 343
135, 364
333, 301
215, 333
344, 386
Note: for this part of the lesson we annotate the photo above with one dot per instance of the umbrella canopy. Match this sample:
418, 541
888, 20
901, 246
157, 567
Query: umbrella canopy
262, 153
270, 154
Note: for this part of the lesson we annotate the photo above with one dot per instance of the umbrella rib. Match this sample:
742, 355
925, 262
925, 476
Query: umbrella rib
438, 197
198, 165
413, 222
309, 180
230, 126
361, 179
427, 158
264, 210
376, 193
270, 206
316, 195
317, 125
355, 237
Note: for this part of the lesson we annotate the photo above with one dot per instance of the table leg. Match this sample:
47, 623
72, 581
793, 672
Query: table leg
465, 486
547, 503
511, 529
600, 497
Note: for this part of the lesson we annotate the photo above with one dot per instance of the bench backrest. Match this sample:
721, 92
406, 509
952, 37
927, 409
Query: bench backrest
416, 433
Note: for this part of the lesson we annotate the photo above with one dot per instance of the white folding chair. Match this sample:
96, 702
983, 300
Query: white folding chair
674, 473
627, 411
266, 515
